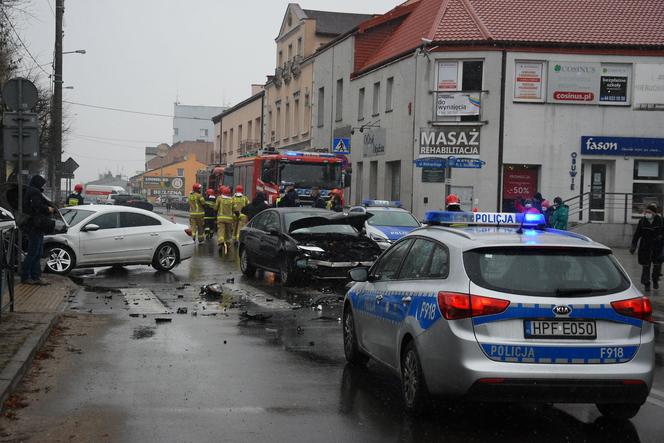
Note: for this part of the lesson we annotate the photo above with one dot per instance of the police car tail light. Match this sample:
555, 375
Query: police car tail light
454, 305
639, 307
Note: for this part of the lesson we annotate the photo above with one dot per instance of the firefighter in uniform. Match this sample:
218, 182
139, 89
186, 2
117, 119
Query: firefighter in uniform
239, 202
75, 198
225, 219
210, 213
197, 213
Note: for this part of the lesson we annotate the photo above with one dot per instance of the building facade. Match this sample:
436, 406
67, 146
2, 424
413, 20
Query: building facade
239, 129
289, 94
172, 180
194, 123
203, 151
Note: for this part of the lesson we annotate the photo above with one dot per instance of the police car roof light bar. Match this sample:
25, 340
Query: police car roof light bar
382, 203
484, 218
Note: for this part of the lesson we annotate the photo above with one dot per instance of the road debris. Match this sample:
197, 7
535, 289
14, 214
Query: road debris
213, 290
259, 316
182, 310
163, 319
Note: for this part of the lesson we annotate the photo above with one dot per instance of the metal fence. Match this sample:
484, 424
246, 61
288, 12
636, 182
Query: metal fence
610, 207
8, 265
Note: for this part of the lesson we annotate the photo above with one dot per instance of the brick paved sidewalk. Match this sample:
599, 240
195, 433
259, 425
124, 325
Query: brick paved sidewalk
632, 267
23, 331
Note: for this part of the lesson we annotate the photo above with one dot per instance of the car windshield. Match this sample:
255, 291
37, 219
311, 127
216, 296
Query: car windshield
327, 229
545, 272
393, 218
75, 216
307, 175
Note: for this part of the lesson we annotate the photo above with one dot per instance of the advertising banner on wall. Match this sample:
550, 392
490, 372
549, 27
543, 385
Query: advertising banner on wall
573, 82
622, 146
374, 142
450, 104
614, 84
171, 186
528, 81
448, 141
448, 76
519, 182
649, 86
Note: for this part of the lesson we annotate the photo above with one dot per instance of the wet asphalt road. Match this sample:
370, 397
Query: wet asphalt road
216, 376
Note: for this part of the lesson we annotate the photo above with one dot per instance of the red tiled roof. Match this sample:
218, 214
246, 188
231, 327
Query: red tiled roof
612, 23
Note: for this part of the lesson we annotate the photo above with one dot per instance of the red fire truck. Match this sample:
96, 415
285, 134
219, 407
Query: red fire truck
271, 171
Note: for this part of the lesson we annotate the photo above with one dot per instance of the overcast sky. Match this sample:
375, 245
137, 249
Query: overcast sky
142, 54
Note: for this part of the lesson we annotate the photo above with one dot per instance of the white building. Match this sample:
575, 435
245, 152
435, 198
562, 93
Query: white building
194, 123
575, 112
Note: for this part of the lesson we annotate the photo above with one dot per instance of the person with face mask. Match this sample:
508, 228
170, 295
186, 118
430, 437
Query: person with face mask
648, 238
560, 214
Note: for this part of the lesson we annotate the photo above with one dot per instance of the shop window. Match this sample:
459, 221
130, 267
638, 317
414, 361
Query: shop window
455, 76
648, 185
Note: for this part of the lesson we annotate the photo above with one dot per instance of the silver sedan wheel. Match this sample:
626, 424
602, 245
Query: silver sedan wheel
167, 256
59, 260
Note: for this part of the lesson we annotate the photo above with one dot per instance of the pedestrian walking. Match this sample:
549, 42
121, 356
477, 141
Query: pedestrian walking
39, 223
225, 219
560, 214
317, 200
239, 202
256, 206
75, 198
168, 206
197, 213
648, 240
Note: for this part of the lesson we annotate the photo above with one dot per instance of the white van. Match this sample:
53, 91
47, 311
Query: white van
101, 193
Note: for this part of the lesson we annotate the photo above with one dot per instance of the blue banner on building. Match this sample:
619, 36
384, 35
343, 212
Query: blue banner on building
623, 146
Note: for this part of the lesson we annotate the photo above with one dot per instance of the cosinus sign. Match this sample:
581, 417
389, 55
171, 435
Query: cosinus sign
624, 146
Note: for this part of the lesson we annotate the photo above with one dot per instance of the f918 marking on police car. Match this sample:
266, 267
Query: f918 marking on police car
614, 352
427, 311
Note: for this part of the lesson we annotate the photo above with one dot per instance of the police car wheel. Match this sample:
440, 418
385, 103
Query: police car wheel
620, 411
245, 266
413, 386
351, 349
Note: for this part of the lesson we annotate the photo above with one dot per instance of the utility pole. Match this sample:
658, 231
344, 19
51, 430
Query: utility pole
56, 107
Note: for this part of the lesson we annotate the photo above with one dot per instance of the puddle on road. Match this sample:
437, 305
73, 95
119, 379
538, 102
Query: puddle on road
142, 332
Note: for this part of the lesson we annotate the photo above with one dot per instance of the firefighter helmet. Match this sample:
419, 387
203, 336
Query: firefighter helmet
197, 187
78, 187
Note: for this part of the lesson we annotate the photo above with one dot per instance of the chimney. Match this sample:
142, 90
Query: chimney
255, 89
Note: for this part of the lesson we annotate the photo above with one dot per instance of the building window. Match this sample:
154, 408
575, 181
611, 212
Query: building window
299, 46
281, 58
340, 100
204, 133
287, 118
393, 183
360, 104
249, 130
271, 125
277, 124
180, 172
258, 129
358, 183
290, 52
175, 131
240, 140
376, 99
224, 142
455, 76
321, 107
373, 180
231, 141
296, 117
388, 94
648, 186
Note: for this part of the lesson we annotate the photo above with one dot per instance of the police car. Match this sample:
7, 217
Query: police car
389, 223
505, 311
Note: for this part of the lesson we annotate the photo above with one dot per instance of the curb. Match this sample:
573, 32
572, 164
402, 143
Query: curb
14, 372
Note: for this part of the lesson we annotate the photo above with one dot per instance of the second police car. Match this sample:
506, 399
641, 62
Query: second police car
389, 223
503, 313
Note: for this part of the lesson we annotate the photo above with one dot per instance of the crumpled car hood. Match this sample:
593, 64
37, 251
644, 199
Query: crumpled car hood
356, 220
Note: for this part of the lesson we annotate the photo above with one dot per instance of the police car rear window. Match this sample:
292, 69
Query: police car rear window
545, 272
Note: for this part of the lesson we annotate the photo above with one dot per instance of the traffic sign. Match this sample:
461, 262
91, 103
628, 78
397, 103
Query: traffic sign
162, 150
69, 166
28, 94
449, 162
431, 163
341, 146
30, 146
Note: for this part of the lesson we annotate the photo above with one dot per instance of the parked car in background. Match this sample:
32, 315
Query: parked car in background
133, 200
389, 223
296, 242
105, 235
101, 193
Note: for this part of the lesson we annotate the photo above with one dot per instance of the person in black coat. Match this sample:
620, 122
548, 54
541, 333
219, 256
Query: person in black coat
38, 209
257, 205
317, 200
290, 199
648, 238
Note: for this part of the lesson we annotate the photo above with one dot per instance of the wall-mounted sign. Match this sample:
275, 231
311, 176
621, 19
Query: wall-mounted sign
572, 171
450, 141
374, 141
624, 146
519, 182
433, 175
649, 86
573, 82
164, 185
448, 74
614, 84
528, 81
341, 146
451, 104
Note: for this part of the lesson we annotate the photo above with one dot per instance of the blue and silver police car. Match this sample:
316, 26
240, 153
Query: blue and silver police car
389, 223
503, 309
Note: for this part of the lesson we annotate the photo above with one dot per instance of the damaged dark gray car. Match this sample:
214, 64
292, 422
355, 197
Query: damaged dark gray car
306, 242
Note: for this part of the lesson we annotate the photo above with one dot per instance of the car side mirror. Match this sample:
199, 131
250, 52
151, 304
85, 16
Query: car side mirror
90, 228
359, 275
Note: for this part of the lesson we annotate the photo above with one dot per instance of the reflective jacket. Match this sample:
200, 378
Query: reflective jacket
239, 202
225, 209
196, 205
74, 199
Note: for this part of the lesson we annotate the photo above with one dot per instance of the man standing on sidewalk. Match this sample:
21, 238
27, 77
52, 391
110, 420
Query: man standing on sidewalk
38, 209
648, 237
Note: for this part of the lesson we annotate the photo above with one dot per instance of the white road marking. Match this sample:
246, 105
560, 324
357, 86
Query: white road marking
656, 402
143, 301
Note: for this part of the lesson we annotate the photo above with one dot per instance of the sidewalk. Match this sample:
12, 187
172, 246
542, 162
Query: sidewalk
22, 332
633, 269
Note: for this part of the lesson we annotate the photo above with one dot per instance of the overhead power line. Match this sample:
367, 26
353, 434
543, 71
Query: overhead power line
92, 140
11, 25
116, 139
152, 114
